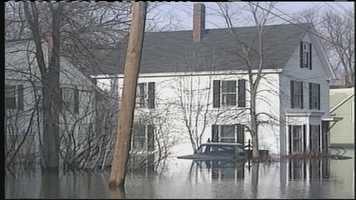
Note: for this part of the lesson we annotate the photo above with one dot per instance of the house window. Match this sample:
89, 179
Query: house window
305, 55
139, 137
314, 96
70, 98
228, 133
143, 137
228, 93
14, 97
296, 88
145, 96
225, 94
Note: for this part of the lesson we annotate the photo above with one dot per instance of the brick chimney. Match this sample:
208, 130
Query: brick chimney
198, 21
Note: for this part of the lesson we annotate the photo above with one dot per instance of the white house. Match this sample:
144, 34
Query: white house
199, 77
23, 92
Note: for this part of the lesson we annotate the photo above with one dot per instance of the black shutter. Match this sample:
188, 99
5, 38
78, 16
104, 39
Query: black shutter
310, 56
76, 101
20, 93
240, 133
304, 139
302, 97
318, 96
216, 93
141, 91
151, 95
290, 138
310, 96
292, 94
150, 137
242, 93
301, 54
214, 133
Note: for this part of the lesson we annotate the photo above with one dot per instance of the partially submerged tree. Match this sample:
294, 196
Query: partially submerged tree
252, 55
68, 29
50, 77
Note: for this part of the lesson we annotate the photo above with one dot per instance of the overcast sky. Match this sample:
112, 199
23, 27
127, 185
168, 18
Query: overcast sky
181, 12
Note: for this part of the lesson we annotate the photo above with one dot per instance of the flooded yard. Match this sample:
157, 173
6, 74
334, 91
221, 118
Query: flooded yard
187, 179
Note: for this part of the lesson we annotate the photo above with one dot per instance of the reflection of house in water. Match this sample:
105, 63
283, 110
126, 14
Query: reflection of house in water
220, 169
313, 169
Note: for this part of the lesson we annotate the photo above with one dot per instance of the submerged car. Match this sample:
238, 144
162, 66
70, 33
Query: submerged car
218, 151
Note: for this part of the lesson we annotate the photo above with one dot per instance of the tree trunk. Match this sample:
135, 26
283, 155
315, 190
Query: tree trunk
52, 96
127, 107
49, 80
255, 152
254, 125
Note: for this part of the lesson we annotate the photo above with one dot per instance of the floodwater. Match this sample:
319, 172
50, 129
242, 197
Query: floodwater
187, 179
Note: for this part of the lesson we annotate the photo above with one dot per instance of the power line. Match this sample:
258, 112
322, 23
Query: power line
293, 23
309, 31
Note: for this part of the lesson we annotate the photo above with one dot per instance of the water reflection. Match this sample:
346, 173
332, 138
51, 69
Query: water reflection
217, 170
200, 179
50, 184
312, 170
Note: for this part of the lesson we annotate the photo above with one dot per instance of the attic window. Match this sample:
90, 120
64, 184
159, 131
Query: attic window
305, 55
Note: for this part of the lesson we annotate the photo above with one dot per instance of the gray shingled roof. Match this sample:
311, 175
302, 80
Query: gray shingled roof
218, 50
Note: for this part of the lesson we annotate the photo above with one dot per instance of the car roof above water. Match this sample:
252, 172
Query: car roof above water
221, 144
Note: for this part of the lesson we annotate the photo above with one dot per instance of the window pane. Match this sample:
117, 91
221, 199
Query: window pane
229, 86
305, 58
227, 133
139, 143
229, 99
139, 137
140, 130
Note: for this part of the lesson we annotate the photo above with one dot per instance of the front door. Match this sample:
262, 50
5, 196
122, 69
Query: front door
314, 138
325, 136
297, 139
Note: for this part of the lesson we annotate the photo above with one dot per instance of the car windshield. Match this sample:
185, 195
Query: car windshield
217, 149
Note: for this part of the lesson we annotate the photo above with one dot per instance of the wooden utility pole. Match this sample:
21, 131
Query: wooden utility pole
127, 107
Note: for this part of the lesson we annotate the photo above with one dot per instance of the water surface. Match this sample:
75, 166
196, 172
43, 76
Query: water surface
187, 179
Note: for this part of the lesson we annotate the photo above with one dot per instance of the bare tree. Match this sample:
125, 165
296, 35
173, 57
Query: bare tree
50, 78
69, 24
253, 58
336, 31
339, 30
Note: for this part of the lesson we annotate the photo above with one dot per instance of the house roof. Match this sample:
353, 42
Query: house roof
219, 50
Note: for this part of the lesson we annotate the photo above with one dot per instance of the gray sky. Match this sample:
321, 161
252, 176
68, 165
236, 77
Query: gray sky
181, 12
